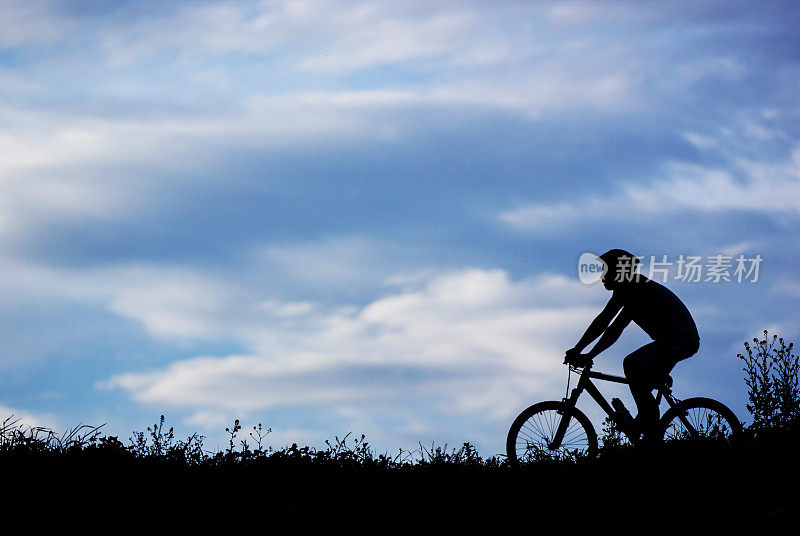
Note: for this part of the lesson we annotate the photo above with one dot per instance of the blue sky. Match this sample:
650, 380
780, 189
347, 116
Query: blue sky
341, 216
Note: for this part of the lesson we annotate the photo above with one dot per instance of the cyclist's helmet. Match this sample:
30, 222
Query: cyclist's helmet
617, 260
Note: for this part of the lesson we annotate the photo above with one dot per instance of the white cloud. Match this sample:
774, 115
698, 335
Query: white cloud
748, 185
470, 341
766, 188
30, 22
335, 261
431, 351
742, 247
170, 303
325, 37
87, 160
198, 29
26, 421
375, 39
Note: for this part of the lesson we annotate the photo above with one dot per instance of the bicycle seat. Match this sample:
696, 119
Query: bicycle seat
666, 383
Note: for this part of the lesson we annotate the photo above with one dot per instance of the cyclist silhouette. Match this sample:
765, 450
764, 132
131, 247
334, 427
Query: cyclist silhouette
661, 315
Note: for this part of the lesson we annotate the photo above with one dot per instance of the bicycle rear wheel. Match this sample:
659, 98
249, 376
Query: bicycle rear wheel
700, 419
531, 434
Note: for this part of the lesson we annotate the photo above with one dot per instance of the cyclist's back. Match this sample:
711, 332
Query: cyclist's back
655, 309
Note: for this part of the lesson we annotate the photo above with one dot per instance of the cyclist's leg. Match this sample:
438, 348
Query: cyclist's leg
647, 367
639, 367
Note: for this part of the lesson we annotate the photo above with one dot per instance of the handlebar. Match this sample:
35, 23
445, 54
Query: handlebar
586, 363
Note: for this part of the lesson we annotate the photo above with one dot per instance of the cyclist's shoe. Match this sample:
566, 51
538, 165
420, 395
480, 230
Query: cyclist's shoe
645, 432
634, 429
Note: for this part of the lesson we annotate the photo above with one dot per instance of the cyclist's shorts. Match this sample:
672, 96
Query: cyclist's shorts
652, 362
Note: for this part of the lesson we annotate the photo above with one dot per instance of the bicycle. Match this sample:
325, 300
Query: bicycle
559, 430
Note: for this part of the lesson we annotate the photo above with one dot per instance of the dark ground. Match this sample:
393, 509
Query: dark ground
671, 489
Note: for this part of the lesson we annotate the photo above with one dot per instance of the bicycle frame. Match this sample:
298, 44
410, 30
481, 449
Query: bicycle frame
585, 384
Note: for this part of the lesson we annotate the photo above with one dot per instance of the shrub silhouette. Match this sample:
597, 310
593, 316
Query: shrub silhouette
772, 375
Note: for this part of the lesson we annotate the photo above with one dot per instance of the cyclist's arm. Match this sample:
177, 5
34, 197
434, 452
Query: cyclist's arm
611, 334
598, 325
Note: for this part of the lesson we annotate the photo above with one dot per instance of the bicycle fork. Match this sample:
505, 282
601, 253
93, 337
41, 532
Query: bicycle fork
566, 416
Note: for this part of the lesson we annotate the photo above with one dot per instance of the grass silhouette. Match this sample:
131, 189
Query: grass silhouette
347, 484
83, 475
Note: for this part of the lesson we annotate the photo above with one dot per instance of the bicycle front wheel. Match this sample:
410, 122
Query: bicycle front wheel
531, 435
700, 419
